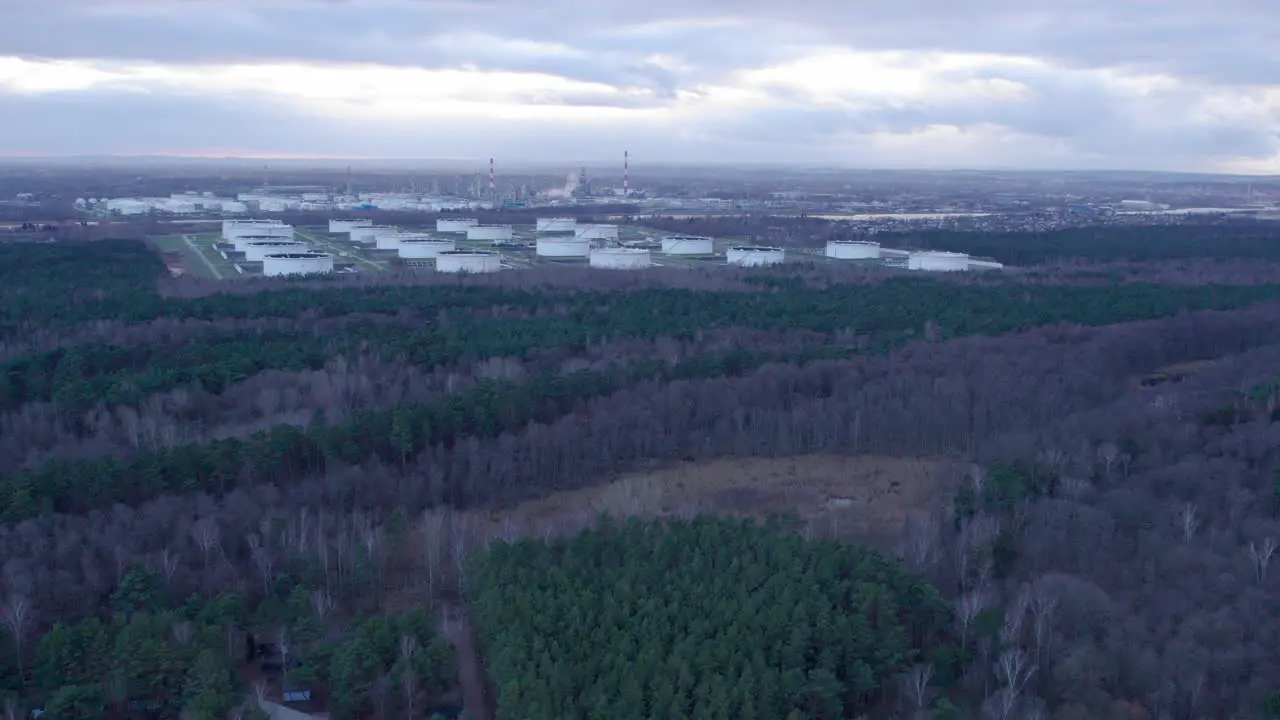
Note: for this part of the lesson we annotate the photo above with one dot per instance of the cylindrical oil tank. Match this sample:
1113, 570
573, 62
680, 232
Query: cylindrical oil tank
455, 225
596, 232
256, 251
492, 233
297, 263
229, 226
368, 234
557, 225
563, 247
616, 258
853, 250
468, 261
688, 245
345, 226
938, 261
392, 240
425, 249
242, 237
756, 255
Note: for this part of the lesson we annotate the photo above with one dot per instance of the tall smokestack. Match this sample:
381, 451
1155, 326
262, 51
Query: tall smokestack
491, 176
266, 182
626, 172
348, 180
582, 181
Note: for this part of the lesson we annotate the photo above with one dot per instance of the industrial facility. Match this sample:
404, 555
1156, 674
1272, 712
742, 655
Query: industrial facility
618, 258
596, 232
496, 234
688, 245
756, 255
937, 261
427, 249
368, 234
562, 247
346, 226
556, 225
455, 225
853, 250
256, 251
468, 261
297, 263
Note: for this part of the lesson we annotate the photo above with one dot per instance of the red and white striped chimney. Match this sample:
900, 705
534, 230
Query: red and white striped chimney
490, 176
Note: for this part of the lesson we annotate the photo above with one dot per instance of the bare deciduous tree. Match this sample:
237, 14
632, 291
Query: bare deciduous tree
915, 685
1188, 522
205, 534
1260, 553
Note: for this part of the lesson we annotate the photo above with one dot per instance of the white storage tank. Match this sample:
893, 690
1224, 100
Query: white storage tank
563, 247
229, 226
368, 234
468, 261
455, 225
557, 225
853, 250
616, 258
688, 245
756, 255
491, 233
256, 251
297, 263
937, 261
243, 237
391, 240
597, 232
337, 227
425, 249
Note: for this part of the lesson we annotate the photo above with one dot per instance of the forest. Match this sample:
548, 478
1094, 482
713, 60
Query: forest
317, 492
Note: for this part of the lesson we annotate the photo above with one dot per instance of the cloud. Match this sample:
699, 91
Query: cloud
1175, 84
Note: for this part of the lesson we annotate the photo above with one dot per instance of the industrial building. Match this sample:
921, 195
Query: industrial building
557, 225
425, 249
468, 261
937, 261
596, 232
241, 237
756, 255
562, 247
853, 250
455, 225
617, 258
346, 226
297, 263
688, 245
496, 234
256, 251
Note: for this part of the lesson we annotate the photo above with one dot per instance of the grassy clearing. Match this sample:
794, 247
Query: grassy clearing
192, 262
863, 495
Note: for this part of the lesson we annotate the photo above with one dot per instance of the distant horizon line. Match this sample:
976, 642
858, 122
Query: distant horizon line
294, 159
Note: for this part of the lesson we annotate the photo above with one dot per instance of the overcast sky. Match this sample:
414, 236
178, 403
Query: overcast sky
1132, 84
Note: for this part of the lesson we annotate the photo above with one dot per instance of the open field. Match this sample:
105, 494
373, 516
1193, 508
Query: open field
200, 257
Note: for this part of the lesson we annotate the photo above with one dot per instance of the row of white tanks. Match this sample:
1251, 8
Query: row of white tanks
272, 243
923, 260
